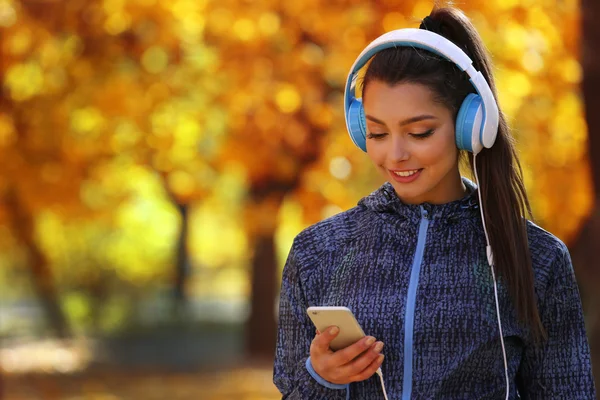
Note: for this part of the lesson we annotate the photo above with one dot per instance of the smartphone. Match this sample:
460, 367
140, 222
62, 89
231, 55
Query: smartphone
343, 318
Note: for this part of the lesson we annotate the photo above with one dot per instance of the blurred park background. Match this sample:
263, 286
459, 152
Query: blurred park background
157, 158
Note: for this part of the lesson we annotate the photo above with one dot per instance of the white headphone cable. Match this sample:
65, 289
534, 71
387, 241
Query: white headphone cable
382, 384
490, 258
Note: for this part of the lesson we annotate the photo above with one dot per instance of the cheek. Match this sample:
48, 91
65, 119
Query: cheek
440, 151
376, 152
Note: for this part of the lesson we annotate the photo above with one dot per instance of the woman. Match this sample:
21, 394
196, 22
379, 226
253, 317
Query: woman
417, 260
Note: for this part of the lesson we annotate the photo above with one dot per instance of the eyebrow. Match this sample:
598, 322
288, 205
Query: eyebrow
406, 121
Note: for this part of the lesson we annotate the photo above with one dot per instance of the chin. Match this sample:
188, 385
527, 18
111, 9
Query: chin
407, 195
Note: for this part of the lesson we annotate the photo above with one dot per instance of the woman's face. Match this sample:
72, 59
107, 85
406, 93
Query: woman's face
410, 139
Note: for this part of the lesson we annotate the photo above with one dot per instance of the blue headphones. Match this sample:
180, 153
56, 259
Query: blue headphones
477, 120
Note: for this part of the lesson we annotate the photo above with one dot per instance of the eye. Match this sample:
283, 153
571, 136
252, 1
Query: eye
422, 135
376, 135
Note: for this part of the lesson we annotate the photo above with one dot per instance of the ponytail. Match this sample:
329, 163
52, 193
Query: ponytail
503, 191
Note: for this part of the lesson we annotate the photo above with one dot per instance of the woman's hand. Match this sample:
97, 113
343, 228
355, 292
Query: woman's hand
354, 363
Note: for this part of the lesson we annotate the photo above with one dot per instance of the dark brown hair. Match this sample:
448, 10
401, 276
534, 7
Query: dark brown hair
500, 175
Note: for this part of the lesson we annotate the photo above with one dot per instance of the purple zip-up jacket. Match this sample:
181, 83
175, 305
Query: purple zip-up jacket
416, 278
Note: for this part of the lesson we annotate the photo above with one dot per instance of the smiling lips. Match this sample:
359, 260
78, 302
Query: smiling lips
406, 176
406, 173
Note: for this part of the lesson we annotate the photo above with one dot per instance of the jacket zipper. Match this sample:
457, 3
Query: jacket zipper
411, 298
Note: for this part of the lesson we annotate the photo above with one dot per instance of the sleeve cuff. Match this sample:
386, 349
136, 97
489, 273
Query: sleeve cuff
322, 381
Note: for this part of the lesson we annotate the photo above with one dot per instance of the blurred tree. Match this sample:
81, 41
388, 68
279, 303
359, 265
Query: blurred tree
90, 85
585, 248
281, 103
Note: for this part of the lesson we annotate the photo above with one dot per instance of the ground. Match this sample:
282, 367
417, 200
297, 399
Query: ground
243, 383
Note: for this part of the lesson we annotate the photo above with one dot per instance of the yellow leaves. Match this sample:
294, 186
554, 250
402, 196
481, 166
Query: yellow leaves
191, 19
161, 162
336, 68
312, 54
82, 70
155, 59
249, 27
220, 20
514, 38
321, 115
539, 18
7, 130
421, 9
297, 136
354, 38
125, 136
288, 99
362, 15
505, 5
182, 184
532, 61
93, 196
340, 168
117, 19
269, 23
8, 14
203, 58
24, 81
187, 131
113, 6
87, 122
513, 87
184, 8
52, 172
570, 70
244, 29
19, 42
117, 23
50, 53
157, 93
518, 84
568, 132
330, 210
393, 20
266, 119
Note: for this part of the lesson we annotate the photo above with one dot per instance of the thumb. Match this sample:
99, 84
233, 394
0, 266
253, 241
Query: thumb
322, 341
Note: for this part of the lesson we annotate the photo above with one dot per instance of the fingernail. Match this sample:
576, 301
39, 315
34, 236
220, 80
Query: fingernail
380, 358
370, 340
379, 346
334, 330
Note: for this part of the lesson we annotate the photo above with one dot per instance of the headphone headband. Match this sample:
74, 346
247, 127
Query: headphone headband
441, 46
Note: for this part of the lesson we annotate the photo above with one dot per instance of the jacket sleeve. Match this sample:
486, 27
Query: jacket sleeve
292, 373
560, 367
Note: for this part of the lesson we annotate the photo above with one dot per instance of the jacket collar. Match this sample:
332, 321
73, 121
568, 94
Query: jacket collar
385, 200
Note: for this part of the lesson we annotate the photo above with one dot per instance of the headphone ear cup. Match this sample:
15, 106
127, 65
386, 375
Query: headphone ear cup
357, 124
468, 124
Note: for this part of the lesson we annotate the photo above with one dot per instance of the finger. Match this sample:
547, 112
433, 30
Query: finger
344, 356
369, 371
320, 343
363, 361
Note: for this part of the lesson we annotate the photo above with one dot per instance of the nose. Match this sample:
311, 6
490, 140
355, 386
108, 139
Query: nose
399, 151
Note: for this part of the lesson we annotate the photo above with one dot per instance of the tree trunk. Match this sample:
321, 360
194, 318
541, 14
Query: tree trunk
262, 326
182, 262
23, 225
585, 249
